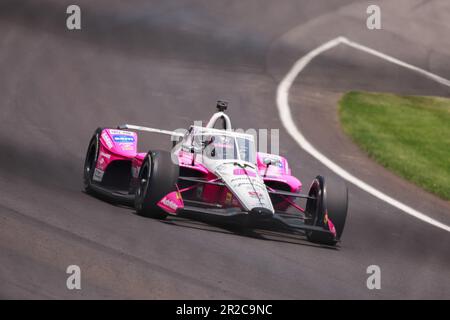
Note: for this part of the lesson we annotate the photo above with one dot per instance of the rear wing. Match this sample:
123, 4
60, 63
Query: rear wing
152, 130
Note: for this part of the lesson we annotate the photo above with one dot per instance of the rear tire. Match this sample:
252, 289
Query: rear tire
90, 161
157, 177
332, 198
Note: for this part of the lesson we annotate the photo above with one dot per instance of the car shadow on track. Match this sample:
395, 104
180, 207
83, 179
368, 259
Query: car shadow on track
218, 226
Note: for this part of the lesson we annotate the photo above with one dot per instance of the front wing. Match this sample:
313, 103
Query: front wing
291, 222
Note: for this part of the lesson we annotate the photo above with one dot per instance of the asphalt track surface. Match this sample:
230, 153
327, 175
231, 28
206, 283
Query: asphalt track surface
163, 64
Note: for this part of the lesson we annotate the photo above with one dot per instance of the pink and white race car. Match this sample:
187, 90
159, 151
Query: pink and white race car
212, 171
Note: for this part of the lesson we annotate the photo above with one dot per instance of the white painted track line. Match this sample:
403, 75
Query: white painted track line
290, 126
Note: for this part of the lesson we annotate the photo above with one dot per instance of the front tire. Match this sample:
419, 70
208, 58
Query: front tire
157, 177
90, 161
331, 198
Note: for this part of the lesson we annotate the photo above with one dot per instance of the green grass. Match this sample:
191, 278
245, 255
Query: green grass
409, 135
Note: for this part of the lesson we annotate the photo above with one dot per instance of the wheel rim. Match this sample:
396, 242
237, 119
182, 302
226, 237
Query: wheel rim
312, 206
144, 179
90, 162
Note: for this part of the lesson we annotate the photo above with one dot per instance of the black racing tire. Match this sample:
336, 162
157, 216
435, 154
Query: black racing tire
90, 160
157, 177
330, 197
337, 204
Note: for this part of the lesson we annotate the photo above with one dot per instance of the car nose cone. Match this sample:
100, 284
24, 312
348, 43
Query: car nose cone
260, 212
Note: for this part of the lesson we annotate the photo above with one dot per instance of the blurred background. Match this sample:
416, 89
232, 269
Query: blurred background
164, 64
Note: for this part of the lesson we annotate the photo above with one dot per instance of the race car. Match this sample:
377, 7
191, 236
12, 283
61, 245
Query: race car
212, 170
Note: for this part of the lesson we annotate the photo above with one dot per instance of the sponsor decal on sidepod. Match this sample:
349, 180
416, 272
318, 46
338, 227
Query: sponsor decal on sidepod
121, 132
107, 140
123, 138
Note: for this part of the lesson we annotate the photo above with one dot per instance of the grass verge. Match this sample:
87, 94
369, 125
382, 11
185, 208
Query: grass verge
409, 135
